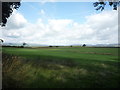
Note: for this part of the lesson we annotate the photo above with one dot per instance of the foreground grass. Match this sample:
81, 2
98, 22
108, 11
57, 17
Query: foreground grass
60, 67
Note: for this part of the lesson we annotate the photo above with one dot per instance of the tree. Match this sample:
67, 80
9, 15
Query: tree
84, 45
24, 44
50, 46
7, 9
101, 4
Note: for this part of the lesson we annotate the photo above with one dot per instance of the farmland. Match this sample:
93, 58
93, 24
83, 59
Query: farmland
60, 67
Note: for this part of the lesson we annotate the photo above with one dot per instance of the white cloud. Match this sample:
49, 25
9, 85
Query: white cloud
98, 28
45, 1
42, 12
103, 20
16, 21
59, 24
105, 26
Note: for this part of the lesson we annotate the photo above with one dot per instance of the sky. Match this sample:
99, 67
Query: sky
61, 23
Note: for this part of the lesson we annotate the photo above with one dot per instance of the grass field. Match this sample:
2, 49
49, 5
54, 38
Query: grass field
61, 67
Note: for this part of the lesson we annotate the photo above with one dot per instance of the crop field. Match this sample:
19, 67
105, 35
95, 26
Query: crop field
60, 67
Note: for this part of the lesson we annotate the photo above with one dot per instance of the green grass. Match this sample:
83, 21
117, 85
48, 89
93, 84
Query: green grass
61, 67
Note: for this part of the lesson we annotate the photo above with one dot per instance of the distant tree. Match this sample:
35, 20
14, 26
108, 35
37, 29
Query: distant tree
84, 45
7, 9
50, 46
100, 5
24, 44
71, 46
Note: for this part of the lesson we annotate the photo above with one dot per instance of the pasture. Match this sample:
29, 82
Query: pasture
60, 67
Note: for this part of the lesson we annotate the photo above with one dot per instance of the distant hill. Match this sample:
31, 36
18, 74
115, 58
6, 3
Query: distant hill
20, 44
107, 45
36, 45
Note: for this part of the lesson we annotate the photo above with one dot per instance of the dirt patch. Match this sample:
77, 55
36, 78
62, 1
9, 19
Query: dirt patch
93, 53
97, 53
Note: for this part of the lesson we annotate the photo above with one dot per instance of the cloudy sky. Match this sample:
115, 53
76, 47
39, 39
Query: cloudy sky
61, 23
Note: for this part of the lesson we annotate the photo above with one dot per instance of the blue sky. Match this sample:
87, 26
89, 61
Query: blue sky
58, 10
61, 23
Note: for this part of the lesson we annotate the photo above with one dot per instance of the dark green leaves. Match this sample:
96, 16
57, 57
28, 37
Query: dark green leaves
7, 9
101, 5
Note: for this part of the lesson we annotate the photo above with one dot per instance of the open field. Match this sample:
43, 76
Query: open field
61, 67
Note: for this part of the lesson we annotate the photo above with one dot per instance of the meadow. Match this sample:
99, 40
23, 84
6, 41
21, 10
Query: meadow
60, 67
